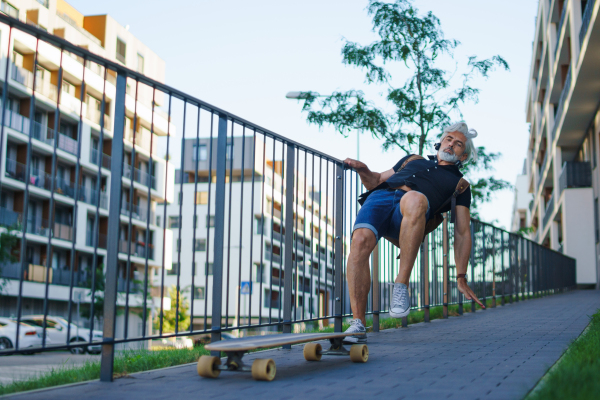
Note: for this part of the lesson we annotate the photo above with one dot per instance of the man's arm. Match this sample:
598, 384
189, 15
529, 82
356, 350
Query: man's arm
368, 178
462, 250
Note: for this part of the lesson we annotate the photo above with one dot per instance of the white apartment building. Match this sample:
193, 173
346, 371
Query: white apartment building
101, 35
254, 245
563, 109
521, 214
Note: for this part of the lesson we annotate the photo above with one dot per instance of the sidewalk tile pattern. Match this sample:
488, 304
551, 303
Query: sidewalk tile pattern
498, 353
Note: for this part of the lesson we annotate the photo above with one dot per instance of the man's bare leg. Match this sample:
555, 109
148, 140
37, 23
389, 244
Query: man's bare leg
413, 207
358, 274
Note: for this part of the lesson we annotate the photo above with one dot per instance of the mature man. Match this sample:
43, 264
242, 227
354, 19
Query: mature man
398, 204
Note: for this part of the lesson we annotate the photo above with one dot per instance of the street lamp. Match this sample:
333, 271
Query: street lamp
304, 95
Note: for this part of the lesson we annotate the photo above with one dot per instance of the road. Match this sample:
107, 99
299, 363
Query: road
21, 367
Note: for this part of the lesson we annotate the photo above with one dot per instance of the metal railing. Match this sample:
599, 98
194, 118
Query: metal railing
212, 232
559, 27
549, 211
561, 103
585, 19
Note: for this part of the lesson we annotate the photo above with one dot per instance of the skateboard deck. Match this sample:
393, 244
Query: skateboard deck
264, 369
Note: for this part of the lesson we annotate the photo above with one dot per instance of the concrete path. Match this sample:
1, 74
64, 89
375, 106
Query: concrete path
499, 353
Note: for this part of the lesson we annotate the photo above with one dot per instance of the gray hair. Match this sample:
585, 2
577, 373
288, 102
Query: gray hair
470, 134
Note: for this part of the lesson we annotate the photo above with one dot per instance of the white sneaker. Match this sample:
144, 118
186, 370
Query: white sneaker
400, 301
356, 326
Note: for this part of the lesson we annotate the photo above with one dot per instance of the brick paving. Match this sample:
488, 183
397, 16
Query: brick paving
499, 353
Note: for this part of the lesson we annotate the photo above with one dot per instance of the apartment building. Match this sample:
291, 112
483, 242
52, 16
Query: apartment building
521, 213
257, 242
563, 111
74, 226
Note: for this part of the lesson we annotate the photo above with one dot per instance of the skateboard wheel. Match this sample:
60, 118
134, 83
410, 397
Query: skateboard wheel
359, 353
206, 366
312, 352
263, 369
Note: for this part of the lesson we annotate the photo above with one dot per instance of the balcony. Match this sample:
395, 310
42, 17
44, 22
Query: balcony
9, 10
41, 227
139, 176
95, 158
25, 78
561, 103
138, 249
585, 20
134, 287
39, 178
273, 257
102, 240
10, 218
37, 273
91, 196
95, 116
560, 25
136, 211
575, 175
142, 139
549, 211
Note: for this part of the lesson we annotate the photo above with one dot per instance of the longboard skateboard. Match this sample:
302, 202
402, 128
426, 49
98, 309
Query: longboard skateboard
264, 369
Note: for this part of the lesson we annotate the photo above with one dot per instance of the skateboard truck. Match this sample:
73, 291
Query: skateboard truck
336, 348
234, 363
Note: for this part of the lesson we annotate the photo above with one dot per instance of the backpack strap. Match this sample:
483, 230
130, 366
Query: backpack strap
409, 159
462, 185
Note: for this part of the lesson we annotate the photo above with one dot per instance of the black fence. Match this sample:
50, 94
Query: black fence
254, 236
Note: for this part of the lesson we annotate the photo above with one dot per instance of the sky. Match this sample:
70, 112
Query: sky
245, 56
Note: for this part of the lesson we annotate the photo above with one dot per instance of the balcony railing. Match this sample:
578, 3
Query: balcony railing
9, 10
39, 178
549, 211
575, 175
585, 20
10, 218
71, 22
102, 240
136, 249
95, 116
559, 28
139, 176
136, 211
95, 156
561, 103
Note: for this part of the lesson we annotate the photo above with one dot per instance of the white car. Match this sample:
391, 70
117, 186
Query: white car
28, 335
56, 329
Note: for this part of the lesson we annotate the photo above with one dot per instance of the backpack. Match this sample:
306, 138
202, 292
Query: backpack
437, 218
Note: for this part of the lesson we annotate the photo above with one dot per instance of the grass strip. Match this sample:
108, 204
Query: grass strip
576, 374
126, 362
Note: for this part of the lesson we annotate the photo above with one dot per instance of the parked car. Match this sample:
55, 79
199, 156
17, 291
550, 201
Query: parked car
56, 328
175, 342
28, 335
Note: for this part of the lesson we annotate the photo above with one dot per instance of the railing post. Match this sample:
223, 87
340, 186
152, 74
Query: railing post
493, 267
473, 264
375, 287
112, 248
503, 269
484, 250
339, 257
288, 240
426, 279
219, 245
445, 248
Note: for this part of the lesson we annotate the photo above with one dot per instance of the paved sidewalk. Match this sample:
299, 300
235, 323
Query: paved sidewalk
499, 353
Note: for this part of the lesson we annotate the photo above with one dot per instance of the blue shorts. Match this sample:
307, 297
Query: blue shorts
381, 213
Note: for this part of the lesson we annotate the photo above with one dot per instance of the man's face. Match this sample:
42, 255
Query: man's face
453, 145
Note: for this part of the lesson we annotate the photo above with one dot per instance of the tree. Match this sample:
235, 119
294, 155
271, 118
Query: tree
8, 242
425, 102
170, 316
98, 301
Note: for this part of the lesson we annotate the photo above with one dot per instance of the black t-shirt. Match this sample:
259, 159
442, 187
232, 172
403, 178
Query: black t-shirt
436, 182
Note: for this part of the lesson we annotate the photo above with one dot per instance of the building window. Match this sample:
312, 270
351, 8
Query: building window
200, 245
202, 198
260, 225
200, 152
173, 222
174, 269
158, 221
10, 10
121, 49
140, 63
199, 293
68, 88
210, 221
208, 268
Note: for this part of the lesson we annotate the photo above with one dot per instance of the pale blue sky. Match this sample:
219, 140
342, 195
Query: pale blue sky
243, 56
